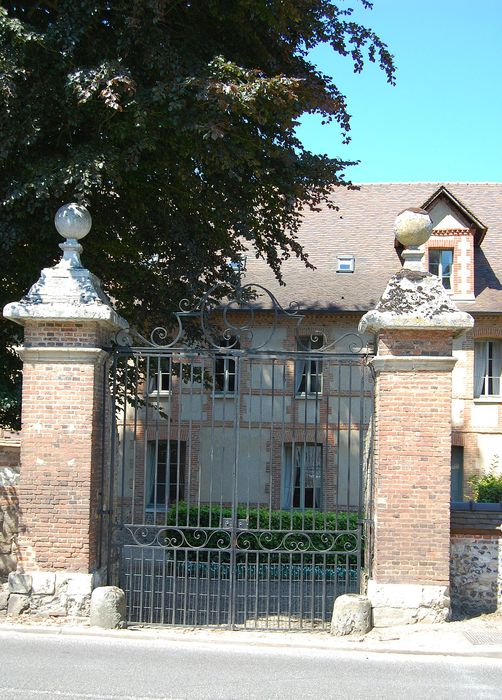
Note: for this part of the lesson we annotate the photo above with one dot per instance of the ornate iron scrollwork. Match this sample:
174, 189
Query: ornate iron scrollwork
230, 323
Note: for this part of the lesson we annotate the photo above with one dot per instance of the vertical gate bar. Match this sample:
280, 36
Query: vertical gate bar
235, 496
248, 470
112, 471
196, 599
142, 585
211, 450
302, 568
178, 441
349, 440
103, 461
369, 467
145, 442
324, 581
199, 461
272, 438
360, 514
338, 433
188, 452
152, 585
129, 587
325, 498
261, 367
175, 585
317, 418
271, 462
163, 589
124, 447
135, 439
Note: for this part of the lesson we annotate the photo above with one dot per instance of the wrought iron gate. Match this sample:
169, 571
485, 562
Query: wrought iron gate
238, 462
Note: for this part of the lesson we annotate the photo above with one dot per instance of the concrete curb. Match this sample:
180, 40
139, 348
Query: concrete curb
455, 645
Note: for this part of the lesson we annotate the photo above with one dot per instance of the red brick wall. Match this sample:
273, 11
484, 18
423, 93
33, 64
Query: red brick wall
412, 473
60, 455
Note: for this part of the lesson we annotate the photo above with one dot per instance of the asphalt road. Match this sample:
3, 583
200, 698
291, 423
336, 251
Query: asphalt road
36, 666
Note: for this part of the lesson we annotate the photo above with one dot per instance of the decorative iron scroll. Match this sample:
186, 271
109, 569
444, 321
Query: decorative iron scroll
230, 324
219, 539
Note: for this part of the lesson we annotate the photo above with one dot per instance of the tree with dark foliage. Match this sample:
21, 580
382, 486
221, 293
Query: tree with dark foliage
174, 122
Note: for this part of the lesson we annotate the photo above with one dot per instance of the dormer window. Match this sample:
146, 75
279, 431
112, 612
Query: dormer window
345, 263
441, 264
456, 233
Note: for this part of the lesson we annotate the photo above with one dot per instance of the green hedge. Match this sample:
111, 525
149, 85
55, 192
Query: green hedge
260, 518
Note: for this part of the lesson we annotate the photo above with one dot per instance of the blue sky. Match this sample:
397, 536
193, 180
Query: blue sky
442, 121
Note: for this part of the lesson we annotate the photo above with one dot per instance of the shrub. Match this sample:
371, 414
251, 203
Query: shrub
260, 518
487, 488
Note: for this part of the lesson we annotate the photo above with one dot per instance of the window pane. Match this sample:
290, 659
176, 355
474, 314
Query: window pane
308, 373
304, 475
487, 367
434, 260
447, 266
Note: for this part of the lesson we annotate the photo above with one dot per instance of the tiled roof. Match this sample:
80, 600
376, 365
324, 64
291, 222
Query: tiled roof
363, 227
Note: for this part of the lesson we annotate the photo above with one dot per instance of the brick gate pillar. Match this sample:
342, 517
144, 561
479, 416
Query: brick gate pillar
414, 322
68, 321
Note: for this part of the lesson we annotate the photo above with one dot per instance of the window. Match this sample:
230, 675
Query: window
160, 369
487, 367
225, 369
165, 473
457, 473
238, 264
308, 371
441, 264
302, 476
345, 263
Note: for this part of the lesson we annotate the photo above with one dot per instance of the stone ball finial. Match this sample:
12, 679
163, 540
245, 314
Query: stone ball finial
73, 221
413, 227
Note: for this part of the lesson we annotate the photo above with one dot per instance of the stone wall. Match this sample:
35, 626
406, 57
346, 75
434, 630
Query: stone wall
9, 477
46, 594
476, 560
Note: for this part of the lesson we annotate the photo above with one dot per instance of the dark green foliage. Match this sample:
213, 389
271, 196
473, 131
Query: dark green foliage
174, 121
260, 518
487, 488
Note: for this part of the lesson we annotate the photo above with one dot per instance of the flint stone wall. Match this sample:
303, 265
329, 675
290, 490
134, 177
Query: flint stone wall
9, 510
476, 560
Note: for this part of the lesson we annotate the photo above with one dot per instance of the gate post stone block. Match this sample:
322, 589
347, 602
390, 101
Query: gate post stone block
68, 324
414, 323
108, 607
351, 615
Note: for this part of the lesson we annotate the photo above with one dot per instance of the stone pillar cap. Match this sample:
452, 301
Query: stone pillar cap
67, 291
415, 300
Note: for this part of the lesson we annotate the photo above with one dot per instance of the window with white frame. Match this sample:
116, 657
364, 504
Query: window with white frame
302, 476
308, 370
165, 473
160, 373
487, 367
225, 369
441, 265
